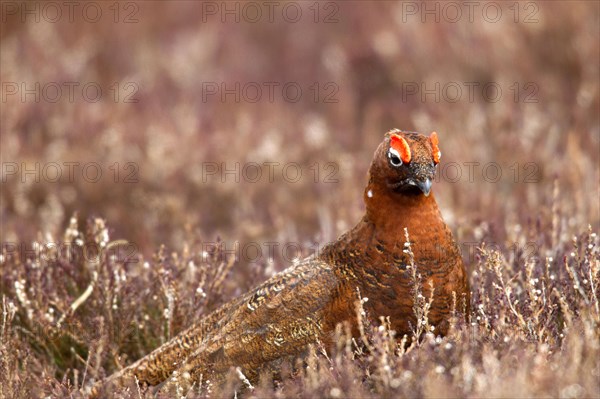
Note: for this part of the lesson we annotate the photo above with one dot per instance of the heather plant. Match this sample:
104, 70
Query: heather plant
70, 317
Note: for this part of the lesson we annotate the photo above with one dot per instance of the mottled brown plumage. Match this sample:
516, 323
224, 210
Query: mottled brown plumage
303, 304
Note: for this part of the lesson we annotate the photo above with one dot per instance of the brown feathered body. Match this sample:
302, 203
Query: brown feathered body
303, 304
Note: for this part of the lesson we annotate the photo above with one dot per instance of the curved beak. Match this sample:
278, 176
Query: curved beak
424, 186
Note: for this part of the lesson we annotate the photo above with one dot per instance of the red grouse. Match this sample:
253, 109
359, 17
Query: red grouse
303, 304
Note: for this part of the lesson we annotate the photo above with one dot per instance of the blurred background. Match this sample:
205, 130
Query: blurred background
135, 113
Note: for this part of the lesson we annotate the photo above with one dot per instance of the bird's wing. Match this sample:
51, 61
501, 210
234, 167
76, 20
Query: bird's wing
278, 318
275, 318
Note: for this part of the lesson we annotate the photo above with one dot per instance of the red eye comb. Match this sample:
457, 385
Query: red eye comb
401, 146
433, 137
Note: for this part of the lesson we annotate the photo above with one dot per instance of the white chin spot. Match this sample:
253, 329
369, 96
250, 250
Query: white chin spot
370, 194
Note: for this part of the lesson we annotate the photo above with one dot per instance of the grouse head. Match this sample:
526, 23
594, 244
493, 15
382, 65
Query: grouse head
405, 163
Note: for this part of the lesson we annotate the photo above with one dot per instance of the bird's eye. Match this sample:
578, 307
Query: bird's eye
394, 159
